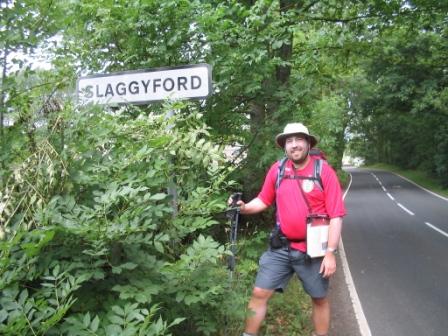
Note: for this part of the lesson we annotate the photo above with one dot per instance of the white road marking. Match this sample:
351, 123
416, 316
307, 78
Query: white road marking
405, 209
393, 199
437, 229
357, 307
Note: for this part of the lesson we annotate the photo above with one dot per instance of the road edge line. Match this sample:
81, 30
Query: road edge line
357, 307
418, 185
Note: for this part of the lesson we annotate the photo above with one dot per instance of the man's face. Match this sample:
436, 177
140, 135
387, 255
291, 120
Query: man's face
296, 148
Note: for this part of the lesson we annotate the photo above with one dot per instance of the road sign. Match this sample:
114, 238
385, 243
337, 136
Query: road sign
146, 86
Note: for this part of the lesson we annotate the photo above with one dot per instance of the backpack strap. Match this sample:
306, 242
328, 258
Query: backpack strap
316, 174
281, 172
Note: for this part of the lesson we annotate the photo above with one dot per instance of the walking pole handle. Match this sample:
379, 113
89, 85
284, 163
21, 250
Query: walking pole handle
236, 197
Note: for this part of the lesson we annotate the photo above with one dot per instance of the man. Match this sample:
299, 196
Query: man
277, 265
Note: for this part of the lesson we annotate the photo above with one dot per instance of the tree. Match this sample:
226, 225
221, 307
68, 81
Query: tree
399, 103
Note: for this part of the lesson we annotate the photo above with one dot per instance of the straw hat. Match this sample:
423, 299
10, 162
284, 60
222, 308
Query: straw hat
292, 129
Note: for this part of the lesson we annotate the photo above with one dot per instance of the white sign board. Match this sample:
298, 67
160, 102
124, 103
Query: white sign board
144, 86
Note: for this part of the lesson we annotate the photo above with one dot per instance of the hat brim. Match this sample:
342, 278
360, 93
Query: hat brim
281, 138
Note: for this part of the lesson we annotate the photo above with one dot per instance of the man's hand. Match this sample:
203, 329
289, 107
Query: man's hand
253, 207
239, 203
328, 266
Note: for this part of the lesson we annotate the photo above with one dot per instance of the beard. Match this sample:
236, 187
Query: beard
298, 159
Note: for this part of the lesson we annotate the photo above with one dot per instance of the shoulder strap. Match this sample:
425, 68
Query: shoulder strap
281, 172
318, 173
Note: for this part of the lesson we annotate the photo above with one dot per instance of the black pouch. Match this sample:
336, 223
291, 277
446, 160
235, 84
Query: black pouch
277, 239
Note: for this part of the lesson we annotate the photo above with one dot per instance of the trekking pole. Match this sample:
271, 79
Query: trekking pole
233, 214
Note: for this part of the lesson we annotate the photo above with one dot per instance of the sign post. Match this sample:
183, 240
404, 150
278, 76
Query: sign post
146, 86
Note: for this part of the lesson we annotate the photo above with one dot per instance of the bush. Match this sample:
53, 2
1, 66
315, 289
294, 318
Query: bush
98, 240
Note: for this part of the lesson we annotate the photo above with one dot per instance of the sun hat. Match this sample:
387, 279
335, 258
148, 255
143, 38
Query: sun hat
295, 128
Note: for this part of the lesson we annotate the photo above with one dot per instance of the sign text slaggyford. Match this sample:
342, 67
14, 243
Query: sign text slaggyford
144, 86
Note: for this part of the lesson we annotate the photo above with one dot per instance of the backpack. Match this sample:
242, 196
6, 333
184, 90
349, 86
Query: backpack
318, 155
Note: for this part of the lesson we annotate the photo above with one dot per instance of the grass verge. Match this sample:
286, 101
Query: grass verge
289, 313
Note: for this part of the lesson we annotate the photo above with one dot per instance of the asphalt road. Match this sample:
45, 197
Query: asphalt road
396, 241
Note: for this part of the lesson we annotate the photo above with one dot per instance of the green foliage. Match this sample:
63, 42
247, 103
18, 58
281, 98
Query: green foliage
32, 311
96, 218
129, 320
398, 110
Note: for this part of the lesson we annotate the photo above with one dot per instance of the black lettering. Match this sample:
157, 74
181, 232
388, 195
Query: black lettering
98, 92
121, 89
146, 85
88, 93
133, 87
181, 81
109, 90
155, 84
192, 82
172, 84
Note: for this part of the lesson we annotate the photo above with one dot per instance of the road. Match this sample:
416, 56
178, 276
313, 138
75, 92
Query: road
396, 241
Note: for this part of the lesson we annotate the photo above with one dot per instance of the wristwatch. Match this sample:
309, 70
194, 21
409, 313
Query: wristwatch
332, 250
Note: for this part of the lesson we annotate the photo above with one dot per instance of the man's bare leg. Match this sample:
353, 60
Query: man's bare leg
321, 316
258, 305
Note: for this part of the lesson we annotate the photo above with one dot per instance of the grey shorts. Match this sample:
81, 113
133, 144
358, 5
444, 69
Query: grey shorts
279, 265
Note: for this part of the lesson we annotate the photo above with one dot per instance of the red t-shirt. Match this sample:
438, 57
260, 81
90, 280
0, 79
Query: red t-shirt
291, 207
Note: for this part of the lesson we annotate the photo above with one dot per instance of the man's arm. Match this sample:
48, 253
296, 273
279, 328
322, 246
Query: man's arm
334, 233
253, 207
328, 266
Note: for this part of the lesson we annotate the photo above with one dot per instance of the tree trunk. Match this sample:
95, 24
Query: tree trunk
283, 72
